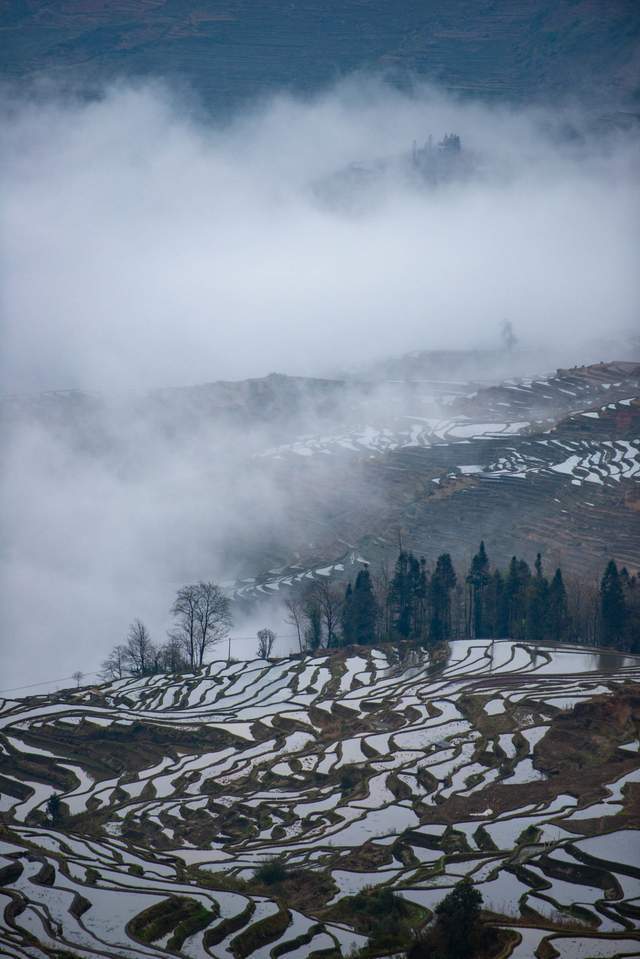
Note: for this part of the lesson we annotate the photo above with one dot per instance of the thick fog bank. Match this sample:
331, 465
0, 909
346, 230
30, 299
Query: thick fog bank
144, 248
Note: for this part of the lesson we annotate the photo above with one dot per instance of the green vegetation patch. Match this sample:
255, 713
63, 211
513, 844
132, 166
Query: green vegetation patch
382, 915
302, 889
226, 927
9, 874
484, 840
260, 934
302, 940
198, 919
529, 836
181, 914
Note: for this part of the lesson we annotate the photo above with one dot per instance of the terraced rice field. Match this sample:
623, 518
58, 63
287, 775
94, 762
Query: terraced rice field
552, 463
368, 768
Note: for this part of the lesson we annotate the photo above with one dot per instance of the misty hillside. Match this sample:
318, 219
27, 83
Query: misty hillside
550, 465
323, 805
320, 487
276, 403
273, 485
230, 51
340, 468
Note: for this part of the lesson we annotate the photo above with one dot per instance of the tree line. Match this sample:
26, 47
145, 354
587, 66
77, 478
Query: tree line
202, 619
412, 603
431, 605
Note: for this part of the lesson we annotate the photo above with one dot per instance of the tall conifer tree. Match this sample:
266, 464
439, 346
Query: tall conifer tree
347, 617
365, 609
613, 611
516, 593
402, 598
537, 625
558, 615
442, 582
478, 580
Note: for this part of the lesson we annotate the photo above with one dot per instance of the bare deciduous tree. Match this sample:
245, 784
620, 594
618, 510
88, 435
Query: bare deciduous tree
202, 619
295, 617
184, 610
171, 657
140, 653
115, 665
212, 616
325, 595
266, 639
313, 619
78, 676
381, 589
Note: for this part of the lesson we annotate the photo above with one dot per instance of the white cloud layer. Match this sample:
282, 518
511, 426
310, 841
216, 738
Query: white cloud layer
144, 246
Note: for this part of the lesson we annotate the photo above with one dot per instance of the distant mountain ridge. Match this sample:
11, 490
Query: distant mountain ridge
232, 50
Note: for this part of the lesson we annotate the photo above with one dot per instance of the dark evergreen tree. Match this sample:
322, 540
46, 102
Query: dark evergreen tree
631, 591
442, 582
457, 931
478, 580
516, 593
420, 586
53, 806
558, 610
613, 610
313, 632
348, 627
403, 594
365, 609
496, 607
537, 624
511, 598
458, 916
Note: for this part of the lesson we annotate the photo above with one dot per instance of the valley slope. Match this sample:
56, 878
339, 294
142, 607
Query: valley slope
233, 50
549, 464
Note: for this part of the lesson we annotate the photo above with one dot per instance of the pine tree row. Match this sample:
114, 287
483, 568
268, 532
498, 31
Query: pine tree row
429, 606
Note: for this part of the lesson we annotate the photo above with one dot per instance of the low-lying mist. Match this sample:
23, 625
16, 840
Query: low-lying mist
110, 505
145, 245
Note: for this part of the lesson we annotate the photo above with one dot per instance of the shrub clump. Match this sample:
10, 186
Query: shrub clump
456, 931
383, 916
350, 779
271, 872
528, 835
